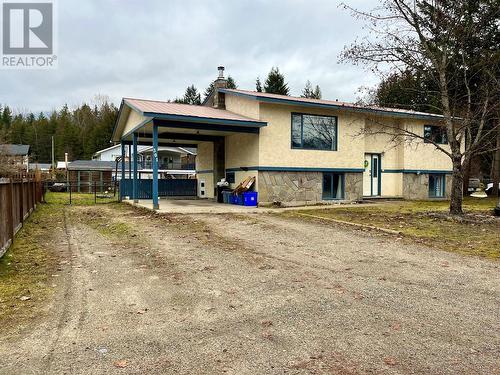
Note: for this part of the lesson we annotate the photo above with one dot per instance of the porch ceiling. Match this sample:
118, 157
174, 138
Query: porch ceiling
186, 134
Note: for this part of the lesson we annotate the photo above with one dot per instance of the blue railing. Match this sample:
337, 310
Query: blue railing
176, 166
166, 188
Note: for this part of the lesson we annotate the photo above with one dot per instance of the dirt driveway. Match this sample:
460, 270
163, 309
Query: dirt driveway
261, 294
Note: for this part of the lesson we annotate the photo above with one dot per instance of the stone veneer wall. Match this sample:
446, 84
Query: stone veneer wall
353, 186
416, 186
301, 188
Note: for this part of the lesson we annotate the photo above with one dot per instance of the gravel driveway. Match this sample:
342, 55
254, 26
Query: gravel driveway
256, 294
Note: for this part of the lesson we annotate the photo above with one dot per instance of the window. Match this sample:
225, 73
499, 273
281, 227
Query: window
230, 177
314, 132
436, 185
333, 186
436, 134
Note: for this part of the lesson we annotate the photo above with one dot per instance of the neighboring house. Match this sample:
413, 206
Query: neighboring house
61, 165
16, 155
42, 167
171, 159
300, 150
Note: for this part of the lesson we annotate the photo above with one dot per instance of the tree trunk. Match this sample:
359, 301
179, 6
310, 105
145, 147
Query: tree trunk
457, 186
496, 166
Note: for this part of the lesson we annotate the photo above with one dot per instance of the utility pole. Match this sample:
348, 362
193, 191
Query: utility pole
53, 160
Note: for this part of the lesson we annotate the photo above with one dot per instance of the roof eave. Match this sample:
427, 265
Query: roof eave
333, 106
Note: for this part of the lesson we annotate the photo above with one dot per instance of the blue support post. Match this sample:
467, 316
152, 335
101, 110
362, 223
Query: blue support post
155, 167
130, 161
134, 186
122, 182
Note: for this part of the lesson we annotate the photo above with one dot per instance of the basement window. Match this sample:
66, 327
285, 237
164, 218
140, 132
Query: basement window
333, 186
436, 134
436, 185
311, 132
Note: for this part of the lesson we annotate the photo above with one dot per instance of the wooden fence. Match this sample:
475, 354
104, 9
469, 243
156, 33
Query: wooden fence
19, 196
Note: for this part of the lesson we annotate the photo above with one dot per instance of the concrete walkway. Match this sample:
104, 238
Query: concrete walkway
197, 206
209, 206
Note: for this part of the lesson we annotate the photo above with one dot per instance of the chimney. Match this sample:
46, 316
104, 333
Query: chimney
220, 83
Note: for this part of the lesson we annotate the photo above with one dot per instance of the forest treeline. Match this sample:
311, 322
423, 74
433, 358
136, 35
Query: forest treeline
80, 131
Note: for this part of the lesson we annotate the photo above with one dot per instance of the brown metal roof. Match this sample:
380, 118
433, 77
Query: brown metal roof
330, 103
152, 107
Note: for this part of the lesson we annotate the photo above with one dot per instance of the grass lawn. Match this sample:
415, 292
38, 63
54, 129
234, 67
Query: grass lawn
426, 222
80, 199
26, 269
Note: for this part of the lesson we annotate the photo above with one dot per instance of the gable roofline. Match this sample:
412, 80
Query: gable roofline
105, 149
329, 104
15, 149
190, 112
162, 110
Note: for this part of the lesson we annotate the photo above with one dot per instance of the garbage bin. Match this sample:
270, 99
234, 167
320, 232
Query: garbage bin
220, 189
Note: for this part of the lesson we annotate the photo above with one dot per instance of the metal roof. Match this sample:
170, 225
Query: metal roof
91, 165
40, 166
14, 150
334, 104
153, 107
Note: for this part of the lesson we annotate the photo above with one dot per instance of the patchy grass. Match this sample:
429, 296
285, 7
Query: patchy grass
427, 222
80, 199
26, 268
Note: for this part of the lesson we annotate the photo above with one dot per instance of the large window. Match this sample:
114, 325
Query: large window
314, 132
436, 185
436, 134
333, 186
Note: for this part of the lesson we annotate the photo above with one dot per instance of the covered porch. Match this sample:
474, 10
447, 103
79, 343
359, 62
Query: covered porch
156, 124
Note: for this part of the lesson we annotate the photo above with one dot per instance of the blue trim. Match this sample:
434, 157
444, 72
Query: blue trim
302, 132
416, 171
123, 166
205, 126
134, 182
295, 169
155, 168
331, 106
117, 120
379, 174
206, 171
206, 120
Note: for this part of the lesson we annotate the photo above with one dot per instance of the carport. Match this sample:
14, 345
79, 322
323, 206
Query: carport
156, 123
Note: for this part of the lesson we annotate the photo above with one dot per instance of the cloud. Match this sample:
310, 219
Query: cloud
154, 49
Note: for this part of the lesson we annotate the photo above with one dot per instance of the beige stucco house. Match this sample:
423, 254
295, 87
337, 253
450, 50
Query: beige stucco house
300, 150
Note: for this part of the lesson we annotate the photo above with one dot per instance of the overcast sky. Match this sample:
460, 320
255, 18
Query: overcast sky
154, 49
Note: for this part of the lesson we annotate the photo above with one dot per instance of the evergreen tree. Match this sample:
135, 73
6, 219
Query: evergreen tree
258, 85
275, 83
7, 117
191, 96
309, 92
317, 92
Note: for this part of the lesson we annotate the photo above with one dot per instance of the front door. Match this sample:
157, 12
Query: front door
371, 175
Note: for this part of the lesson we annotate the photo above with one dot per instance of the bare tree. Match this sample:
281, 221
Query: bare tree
454, 43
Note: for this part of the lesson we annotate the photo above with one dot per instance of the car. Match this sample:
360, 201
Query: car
58, 187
